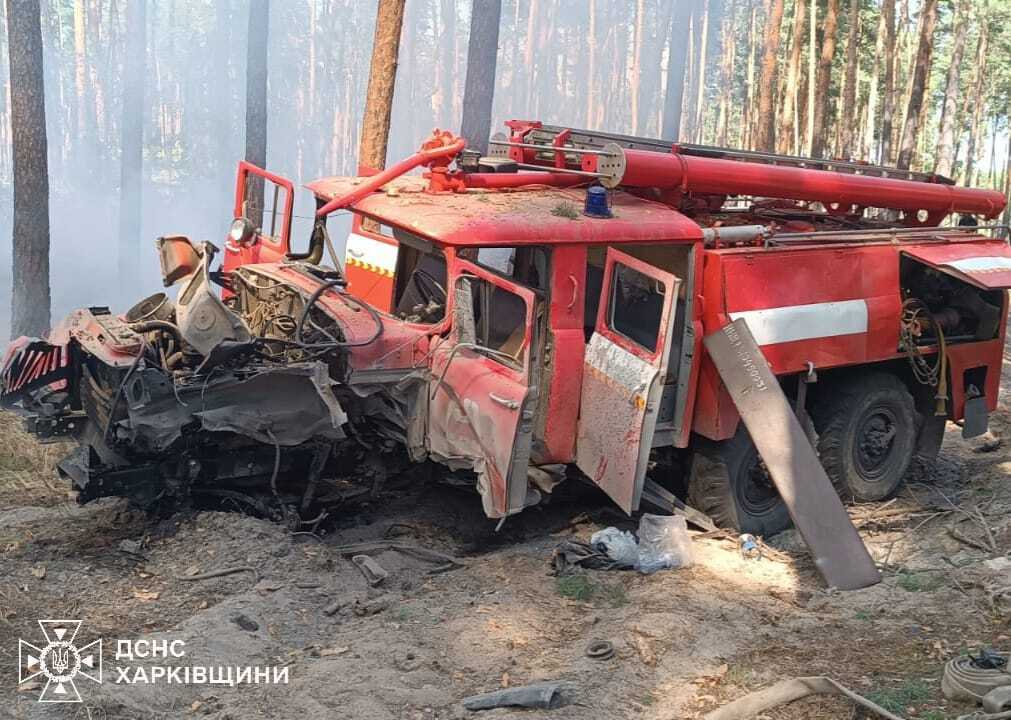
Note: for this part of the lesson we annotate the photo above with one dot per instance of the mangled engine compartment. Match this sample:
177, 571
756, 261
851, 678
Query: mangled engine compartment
243, 399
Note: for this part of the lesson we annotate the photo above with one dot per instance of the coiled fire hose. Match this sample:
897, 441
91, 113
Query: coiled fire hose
983, 679
916, 316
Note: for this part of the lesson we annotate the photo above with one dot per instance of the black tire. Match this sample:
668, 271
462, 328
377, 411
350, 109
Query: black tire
729, 483
867, 433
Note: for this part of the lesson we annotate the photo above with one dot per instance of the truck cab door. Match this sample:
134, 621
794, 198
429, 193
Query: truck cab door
482, 393
623, 375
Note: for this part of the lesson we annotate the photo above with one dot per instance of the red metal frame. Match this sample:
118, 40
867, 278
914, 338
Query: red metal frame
261, 249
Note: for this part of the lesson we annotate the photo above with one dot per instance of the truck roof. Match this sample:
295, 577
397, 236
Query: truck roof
535, 215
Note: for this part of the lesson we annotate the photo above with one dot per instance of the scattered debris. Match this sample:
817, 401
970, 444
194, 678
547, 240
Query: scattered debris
374, 572
245, 622
373, 606
663, 543
619, 545
220, 573
749, 547
787, 691
575, 553
542, 696
600, 650
447, 562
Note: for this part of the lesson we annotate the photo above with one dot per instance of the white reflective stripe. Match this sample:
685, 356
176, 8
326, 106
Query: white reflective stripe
361, 249
803, 322
981, 264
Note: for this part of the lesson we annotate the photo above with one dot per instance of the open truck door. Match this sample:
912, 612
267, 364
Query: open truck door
483, 393
623, 376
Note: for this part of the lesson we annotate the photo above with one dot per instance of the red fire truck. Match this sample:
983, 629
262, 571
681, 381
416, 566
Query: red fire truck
534, 314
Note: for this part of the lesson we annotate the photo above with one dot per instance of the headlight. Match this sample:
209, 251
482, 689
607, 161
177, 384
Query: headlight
242, 231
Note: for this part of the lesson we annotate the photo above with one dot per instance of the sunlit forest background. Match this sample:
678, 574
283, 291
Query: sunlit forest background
843, 80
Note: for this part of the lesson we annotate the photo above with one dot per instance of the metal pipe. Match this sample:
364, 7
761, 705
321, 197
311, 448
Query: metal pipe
552, 148
969, 229
492, 181
373, 183
733, 233
567, 171
714, 176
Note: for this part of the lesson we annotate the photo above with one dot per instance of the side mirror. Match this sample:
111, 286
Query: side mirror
463, 311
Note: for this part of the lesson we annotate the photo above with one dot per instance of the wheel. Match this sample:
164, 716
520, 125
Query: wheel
729, 482
867, 431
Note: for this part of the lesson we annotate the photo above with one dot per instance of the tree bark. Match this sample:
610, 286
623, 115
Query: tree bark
256, 103
700, 76
132, 148
849, 99
80, 68
824, 77
919, 84
872, 91
949, 108
636, 69
30, 291
788, 141
812, 75
382, 78
978, 87
677, 53
479, 90
888, 107
765, 136
591, 56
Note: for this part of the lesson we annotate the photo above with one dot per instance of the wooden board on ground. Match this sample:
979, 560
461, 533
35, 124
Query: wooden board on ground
816, 509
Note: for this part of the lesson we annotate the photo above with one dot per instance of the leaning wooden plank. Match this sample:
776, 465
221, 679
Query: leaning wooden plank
816, 510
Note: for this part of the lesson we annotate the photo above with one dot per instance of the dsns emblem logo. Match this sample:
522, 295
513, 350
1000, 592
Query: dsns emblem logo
59, 661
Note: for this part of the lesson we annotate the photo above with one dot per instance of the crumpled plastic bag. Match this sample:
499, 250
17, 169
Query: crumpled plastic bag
619, 545
663, 543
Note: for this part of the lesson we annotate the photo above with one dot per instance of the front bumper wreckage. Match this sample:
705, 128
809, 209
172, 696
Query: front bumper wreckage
200, 397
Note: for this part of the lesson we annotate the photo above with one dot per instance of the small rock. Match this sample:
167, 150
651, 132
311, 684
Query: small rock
245, 622
372, 607
987, 442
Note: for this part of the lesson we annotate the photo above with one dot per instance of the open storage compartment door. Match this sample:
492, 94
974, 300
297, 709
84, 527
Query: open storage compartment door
986, 265
623, 372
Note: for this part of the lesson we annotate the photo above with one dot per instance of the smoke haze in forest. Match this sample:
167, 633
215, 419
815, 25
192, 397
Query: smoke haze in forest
585, 63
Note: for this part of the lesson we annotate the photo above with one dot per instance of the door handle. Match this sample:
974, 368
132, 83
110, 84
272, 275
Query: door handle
504, 402
355, 253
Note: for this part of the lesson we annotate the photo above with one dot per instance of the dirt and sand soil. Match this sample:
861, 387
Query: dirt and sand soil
686, 641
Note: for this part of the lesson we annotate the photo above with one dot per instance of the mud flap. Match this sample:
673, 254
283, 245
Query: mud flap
817, 512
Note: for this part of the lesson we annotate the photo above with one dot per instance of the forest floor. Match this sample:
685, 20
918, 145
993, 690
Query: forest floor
686, 641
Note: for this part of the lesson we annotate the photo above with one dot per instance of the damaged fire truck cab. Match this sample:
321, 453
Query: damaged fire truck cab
550, 332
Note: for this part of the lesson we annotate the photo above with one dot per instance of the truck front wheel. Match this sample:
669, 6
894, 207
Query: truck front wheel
867, 434
729, 482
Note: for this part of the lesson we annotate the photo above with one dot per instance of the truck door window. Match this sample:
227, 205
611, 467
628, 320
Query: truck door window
420, 283
635, 306
525, 265
499, 320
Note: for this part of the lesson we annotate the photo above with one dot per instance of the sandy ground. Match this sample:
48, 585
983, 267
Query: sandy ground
686, 640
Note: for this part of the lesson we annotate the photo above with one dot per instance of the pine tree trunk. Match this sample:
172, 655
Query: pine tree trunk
635, 71
700, 76
132, 148
849, 98
30, 291
382, 78
591, 57
949, 109
872, 92
818, 132
677, 44
978, 86
256, 103
765, 138
812, 75
80, 68
888, 106
749, 125
479, 90
921, 73
789, 124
